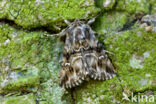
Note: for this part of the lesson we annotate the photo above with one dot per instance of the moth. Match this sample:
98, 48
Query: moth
83, 56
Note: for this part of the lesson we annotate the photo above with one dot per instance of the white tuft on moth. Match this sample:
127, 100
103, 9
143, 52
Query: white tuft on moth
83, 56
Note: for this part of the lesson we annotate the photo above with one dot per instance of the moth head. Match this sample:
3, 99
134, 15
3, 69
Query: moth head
80, 31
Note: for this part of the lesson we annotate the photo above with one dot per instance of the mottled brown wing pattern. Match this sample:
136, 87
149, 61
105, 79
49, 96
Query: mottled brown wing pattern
73, 73
100, 67
83, 57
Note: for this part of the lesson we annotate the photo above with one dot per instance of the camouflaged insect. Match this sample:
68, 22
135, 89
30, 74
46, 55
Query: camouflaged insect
83, 56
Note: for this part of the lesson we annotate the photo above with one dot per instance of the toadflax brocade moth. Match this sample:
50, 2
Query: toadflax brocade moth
83, 56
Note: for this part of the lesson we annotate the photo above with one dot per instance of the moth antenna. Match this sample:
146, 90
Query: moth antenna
62, 33
66, 21
91, 21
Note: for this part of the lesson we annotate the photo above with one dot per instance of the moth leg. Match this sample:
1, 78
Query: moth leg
51, 35
92, 20
99, 49
105, 51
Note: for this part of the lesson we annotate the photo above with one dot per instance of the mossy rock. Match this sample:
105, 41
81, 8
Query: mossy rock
31, 14
29, 61
133, 6
25, 99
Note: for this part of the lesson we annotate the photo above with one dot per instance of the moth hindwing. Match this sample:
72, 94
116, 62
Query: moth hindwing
83, 56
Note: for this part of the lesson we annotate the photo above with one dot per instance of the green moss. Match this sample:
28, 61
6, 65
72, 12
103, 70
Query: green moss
18, 56
112, 21
129, 43
153, 6
30, 14
22, 81
98, 92
29, 63
33, 58
133, 6
105, 4
50, 90
25, 99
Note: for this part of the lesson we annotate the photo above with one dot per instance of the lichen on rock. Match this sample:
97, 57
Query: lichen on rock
25, 99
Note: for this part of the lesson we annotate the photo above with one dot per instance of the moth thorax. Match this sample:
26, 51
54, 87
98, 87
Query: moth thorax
80, 39
79, 34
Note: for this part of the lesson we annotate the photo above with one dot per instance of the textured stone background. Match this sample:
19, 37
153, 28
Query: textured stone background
29, 61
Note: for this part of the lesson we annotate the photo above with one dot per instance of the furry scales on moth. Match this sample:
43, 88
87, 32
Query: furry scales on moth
83, 56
